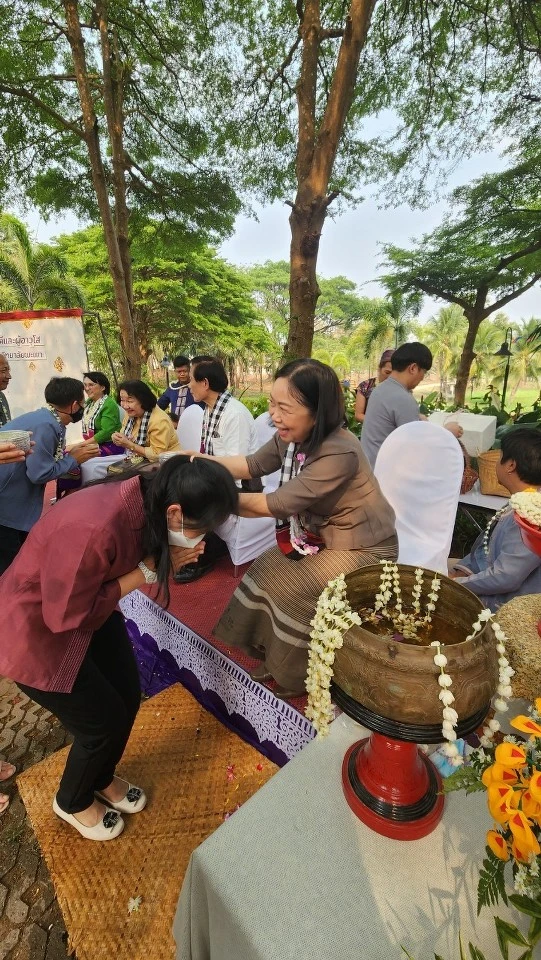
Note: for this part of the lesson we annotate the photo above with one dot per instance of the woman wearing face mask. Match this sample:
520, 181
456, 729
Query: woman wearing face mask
64, 642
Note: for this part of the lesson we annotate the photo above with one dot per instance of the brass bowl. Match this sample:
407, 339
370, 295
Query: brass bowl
392, 687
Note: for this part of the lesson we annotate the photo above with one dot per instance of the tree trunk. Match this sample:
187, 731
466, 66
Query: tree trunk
317, 146
306, 222
131, 358
474, 318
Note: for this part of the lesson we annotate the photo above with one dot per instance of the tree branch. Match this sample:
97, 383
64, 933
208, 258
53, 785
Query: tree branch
22, 94
512, 296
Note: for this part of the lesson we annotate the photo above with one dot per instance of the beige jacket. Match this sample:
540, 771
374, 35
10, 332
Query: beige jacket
335, 493
161, 436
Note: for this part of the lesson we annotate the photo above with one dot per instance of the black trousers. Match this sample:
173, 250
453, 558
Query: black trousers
99, 712
11, 542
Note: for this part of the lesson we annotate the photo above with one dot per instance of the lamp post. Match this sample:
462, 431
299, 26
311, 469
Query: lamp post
505, 351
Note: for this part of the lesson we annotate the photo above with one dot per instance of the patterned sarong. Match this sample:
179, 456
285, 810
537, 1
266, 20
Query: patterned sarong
269, 614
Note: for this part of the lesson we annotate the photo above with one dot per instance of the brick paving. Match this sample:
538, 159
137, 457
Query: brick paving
31, 926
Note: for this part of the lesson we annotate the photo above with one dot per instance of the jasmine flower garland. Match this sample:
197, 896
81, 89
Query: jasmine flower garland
333, 618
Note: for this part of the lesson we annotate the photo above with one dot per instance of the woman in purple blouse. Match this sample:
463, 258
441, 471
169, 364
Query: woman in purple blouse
62, 638
365, 388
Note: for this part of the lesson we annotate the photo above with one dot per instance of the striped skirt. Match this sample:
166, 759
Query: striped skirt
269, 614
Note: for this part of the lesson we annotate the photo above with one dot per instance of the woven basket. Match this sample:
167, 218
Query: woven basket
488, 481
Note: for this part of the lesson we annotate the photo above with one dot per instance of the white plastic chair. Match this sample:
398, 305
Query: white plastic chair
189, 428
265, 430
419, 469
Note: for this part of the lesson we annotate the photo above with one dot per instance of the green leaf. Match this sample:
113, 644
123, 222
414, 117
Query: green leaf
507, 933
475, 953
534, 931
463, 778
526, 905
491, 886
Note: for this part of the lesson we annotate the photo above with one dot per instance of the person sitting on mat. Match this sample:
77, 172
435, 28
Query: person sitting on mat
328, 498
500, 566
64, 642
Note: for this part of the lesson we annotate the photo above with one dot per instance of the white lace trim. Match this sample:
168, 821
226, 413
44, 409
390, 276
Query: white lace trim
272, 719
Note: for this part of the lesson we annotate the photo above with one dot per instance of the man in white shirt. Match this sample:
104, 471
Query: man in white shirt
228, 431
392, 403
228, 426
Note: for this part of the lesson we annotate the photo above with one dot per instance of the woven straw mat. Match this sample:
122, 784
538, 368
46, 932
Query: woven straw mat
518, 619
195, 772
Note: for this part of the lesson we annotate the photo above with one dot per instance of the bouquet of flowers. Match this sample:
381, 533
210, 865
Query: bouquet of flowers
510, 773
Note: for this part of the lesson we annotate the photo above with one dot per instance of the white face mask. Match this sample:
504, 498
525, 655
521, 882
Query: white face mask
177, 538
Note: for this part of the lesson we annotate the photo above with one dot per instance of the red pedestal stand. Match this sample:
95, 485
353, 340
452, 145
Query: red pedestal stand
392, 787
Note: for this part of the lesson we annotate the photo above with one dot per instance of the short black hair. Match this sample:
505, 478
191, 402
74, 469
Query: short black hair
316, 386
214, 372
141, 392
100, 378
200, 357
61, 391
409, 353
524, 447
181, 362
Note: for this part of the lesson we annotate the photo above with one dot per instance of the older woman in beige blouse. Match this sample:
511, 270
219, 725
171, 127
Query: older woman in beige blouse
336, 517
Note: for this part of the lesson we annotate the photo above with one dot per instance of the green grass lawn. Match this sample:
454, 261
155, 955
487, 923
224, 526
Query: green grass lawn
526, 396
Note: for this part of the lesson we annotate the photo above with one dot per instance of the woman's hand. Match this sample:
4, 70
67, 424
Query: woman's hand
121, 440
182, 556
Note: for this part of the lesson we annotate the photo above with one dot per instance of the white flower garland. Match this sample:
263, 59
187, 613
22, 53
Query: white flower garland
488, 529
504, 690
333, 618
527, 504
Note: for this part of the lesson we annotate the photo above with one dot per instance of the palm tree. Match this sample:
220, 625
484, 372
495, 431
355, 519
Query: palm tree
444, 335
526, 362
33, 276
388, 320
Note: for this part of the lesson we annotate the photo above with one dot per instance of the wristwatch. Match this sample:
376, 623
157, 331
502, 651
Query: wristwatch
150, 575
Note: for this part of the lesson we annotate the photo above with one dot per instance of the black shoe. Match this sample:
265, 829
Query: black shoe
193, 571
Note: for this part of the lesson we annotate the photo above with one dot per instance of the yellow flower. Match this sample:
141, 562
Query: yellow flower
538, 704
501, 802
497, 844
523, 835
497, 773
535, 785
529, 805
526, 725
510, 755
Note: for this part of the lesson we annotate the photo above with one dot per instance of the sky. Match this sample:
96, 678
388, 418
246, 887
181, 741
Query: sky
351, 243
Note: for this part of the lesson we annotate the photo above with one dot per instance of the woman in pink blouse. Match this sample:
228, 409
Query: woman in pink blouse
63, 640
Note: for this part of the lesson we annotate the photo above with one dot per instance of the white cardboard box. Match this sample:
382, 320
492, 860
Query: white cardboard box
479, 430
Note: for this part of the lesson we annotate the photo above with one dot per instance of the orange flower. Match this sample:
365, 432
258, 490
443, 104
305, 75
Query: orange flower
510, 755
519, 853
498, 844
537, 704
530, 806
535, 785
501, 801
523, 835
497, 773
526, 725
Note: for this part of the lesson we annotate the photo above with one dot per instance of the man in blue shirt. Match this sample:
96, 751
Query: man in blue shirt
500, 566
178, 395
22, 484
